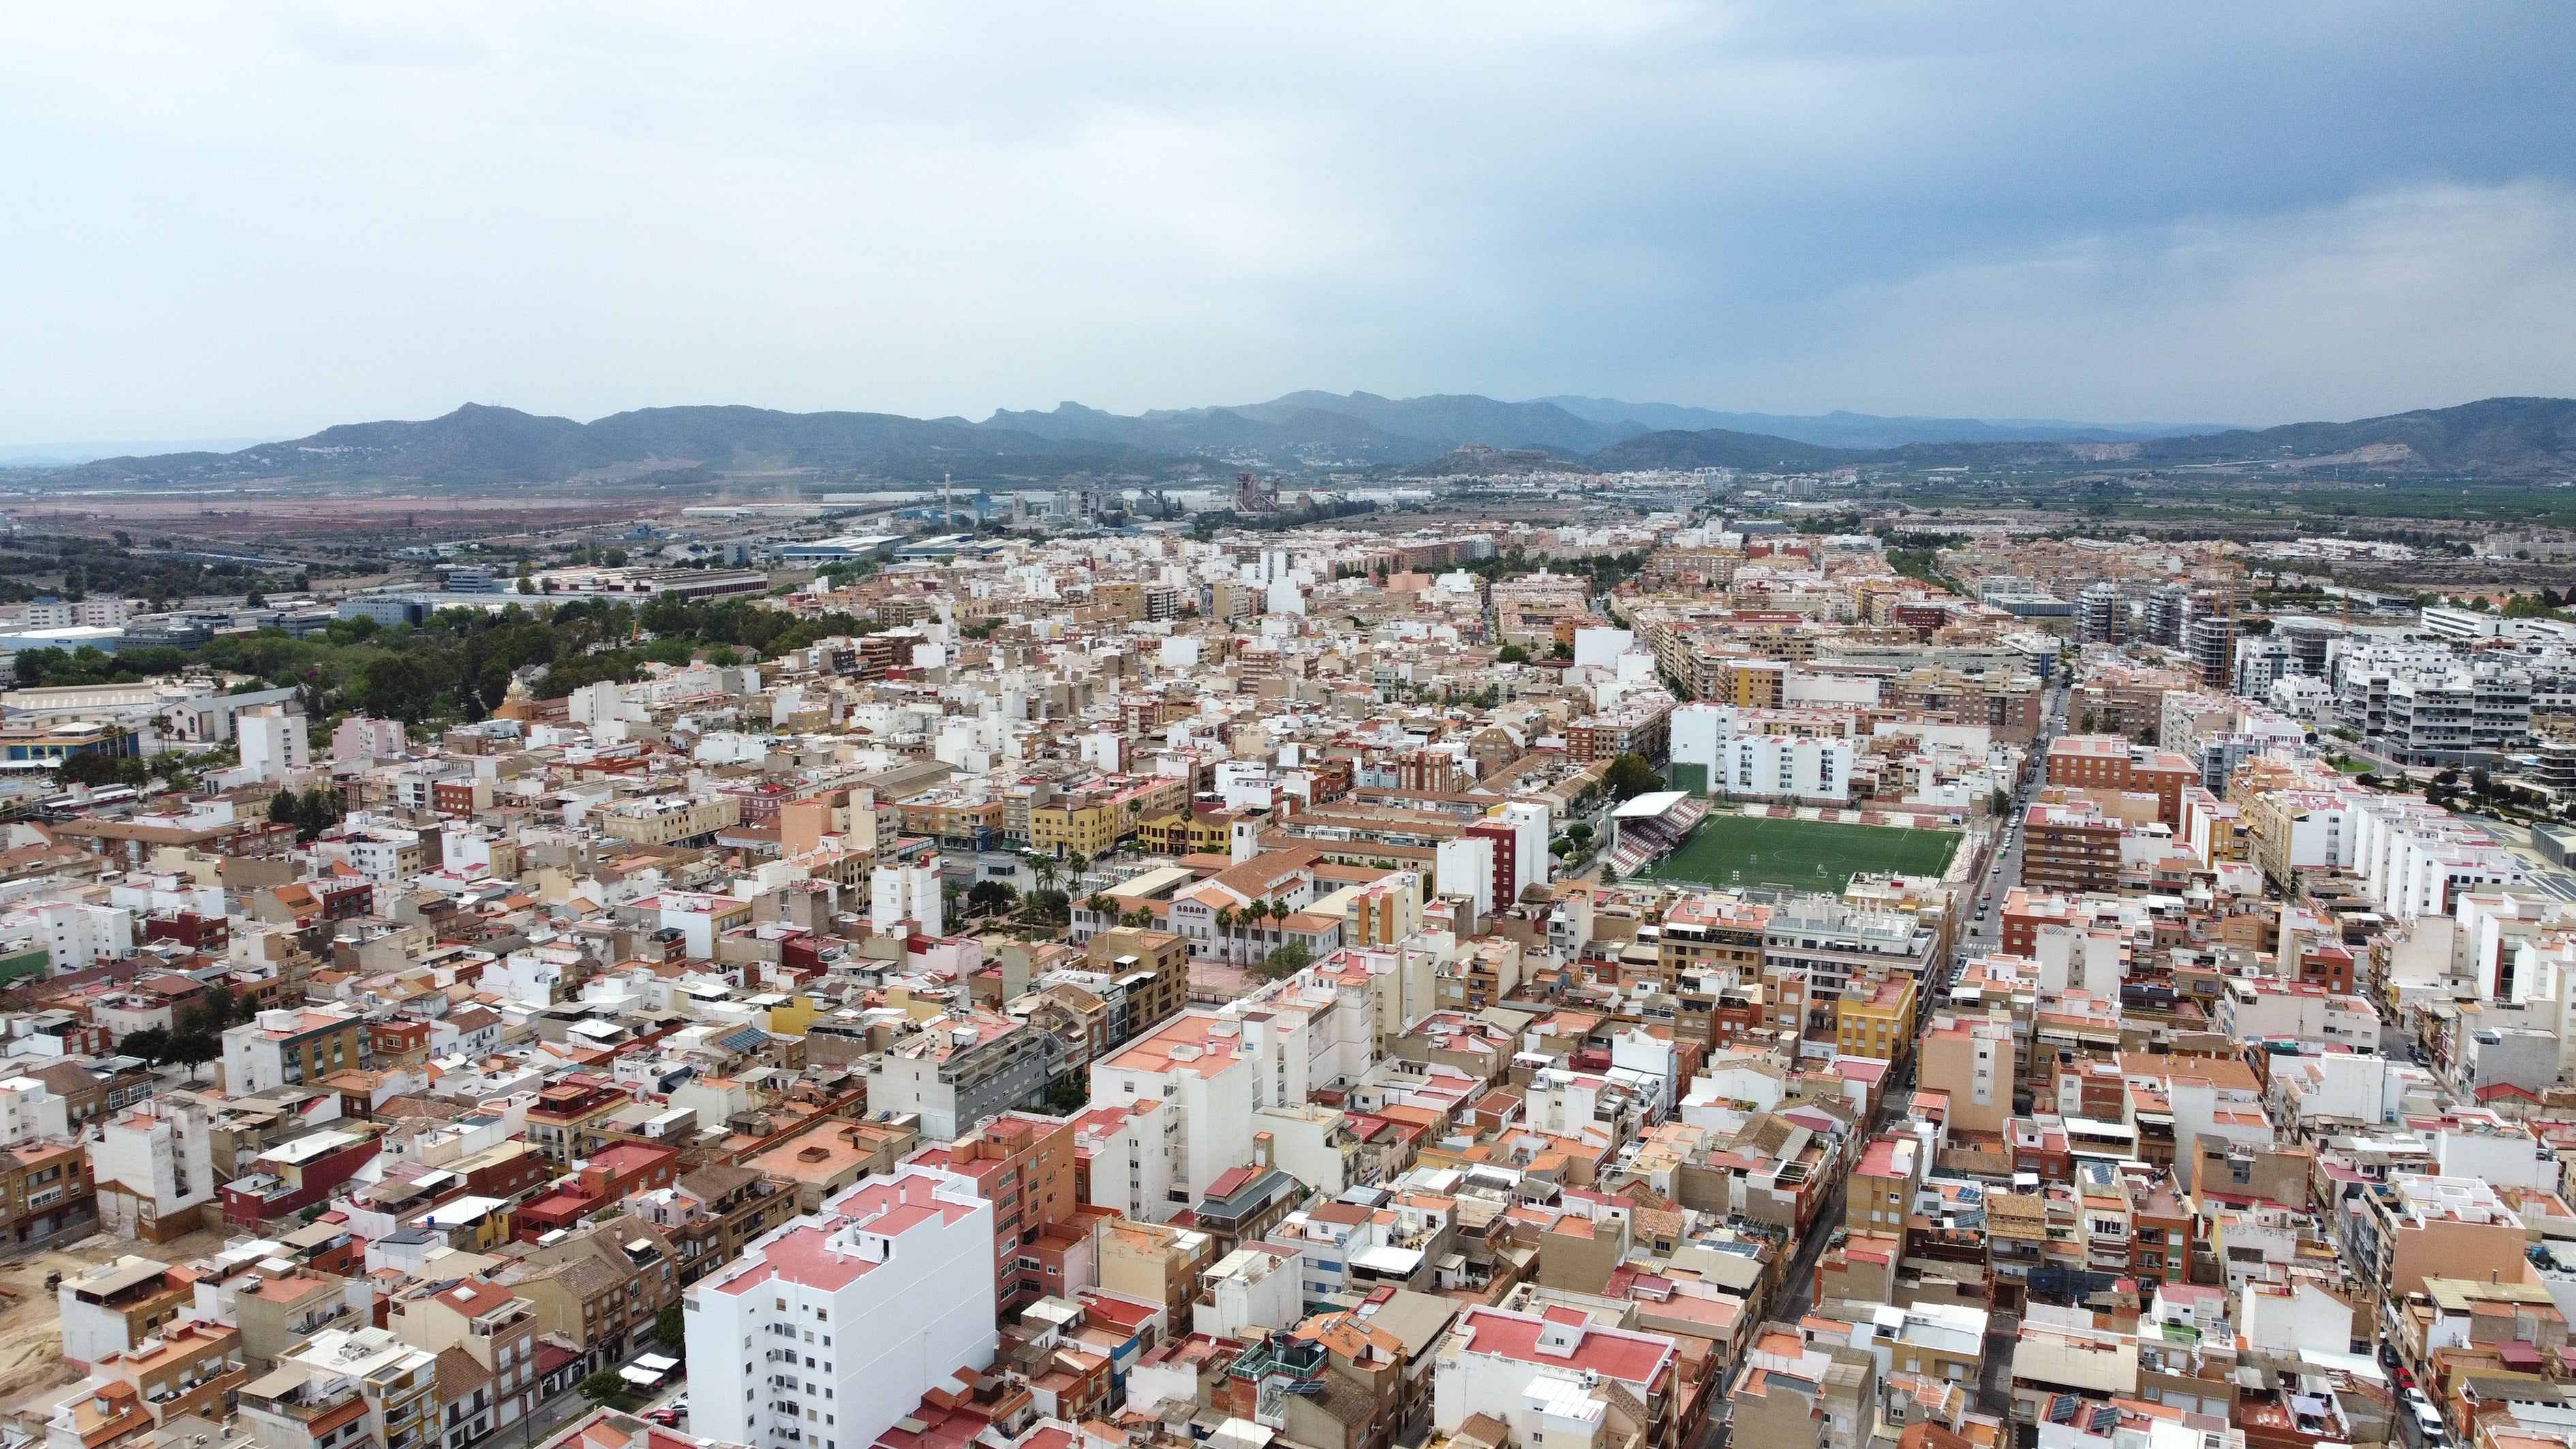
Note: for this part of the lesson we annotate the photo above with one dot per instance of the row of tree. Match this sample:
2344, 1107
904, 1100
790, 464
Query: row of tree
311, 811
195, 1036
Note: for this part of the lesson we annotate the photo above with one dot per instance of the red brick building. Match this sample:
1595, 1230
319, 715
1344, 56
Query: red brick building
1023, 1164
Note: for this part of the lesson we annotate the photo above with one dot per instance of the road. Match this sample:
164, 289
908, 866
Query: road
1984, 933
570, 1407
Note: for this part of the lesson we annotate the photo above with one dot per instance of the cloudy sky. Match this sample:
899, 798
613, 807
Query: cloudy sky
258, 220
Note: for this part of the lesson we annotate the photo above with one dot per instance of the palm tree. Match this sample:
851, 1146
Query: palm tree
1078, 863
1044, 868
1100, 904
1225, 929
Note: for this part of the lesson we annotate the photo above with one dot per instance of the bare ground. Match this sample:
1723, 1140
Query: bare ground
31, 1328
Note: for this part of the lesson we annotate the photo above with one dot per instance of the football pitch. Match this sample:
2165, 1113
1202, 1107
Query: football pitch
1732, 850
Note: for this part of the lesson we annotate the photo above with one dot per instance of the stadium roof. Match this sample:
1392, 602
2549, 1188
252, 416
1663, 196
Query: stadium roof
1650, 804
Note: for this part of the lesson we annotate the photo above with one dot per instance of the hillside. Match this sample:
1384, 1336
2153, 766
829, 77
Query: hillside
2499, 437
2503, 438
476, 443
1860, 430
1722, 448
1474, 460
1302, 434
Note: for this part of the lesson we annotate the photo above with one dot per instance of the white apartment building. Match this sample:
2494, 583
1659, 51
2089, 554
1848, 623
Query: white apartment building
1742, 760
2262, 1010
898, 893
1538, 1372
153, 1164
1250, 1291
273, 741
98, 613
80, 935
1131, 1161
1213, 1068
848, 1314
399, 1382
1785, 766
2416, 860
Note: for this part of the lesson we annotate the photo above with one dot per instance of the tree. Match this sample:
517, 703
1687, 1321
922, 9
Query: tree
1512, 654
1288, 959
991, 898
2000, 802
492, 683
1580, 832
1100, 904
1629, 776
286, 808
1562, 650
193, 1050
671, 1329
95, 768
151, 1044
604, 1387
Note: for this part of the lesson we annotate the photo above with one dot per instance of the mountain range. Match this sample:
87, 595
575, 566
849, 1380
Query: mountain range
2499, 437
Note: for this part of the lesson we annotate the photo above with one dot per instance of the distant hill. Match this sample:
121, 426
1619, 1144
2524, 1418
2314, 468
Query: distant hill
1477, 460
1864, 430
1453, 420
494, 444
2504, 437
1285, 434
1722, 448
2499, 437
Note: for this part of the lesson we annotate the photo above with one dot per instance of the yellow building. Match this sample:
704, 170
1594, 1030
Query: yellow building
1075, 827
1213, 832
1756, 683
792, 1014
1877, 1021
1165, 835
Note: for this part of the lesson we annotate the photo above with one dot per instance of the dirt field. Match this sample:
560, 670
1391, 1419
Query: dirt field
31, 1331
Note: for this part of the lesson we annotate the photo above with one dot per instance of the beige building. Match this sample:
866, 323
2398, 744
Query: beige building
2414, 1228
1972, 1059
1153, 1263
662, 819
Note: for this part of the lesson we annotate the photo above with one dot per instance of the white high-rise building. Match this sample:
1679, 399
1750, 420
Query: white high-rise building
273, 741
828, 1330
900, 892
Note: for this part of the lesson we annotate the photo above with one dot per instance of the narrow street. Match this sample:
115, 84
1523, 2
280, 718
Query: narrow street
1985, 933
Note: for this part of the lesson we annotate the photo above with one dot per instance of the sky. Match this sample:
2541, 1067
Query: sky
257, 220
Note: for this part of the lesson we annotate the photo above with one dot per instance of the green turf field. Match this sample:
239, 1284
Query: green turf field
1729, 850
